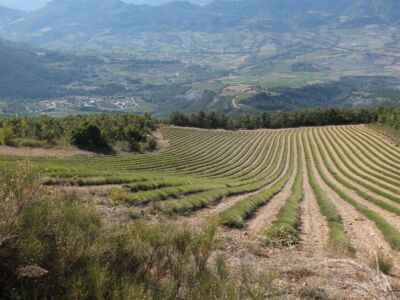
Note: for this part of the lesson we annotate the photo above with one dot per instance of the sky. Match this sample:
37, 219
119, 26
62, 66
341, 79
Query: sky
29, 5
24, 4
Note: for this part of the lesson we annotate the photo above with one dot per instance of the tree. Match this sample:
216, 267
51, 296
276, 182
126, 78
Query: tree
88, 137
179, 119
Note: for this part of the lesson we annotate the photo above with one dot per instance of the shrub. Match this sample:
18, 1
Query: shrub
384, 263
256, 285
62, 250
118, 195
89, 137
134, 146
25, 142
6, 136
152, 143
19, 184
134, 134
312, 293
123, 146
280, 236
60, 235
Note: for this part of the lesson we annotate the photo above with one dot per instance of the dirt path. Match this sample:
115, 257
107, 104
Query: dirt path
234, 104
296, 269
314, 229
42, 152
89, 188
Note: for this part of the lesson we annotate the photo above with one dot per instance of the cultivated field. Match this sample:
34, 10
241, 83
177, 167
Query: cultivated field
319, 205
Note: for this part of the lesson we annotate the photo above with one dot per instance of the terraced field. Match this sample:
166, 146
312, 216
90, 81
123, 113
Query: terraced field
325, 192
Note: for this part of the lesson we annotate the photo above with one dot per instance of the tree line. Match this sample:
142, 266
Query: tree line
283, 119
127, 132
133, 133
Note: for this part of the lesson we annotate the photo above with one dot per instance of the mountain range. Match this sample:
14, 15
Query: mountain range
31, 5
72, 22
226, 55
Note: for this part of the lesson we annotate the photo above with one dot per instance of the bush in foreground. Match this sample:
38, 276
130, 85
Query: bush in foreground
61, 248
19, 184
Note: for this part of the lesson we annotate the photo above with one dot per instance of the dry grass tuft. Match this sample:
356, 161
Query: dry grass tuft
377, 285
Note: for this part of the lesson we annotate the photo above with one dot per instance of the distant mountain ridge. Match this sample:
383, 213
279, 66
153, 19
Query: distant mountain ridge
31, 5
160, 2
8, 15
60, 19
115, 14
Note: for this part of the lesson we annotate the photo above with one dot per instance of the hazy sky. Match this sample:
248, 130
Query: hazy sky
24, 4
36, 4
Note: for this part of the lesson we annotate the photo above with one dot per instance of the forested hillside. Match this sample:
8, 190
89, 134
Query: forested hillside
28, 73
